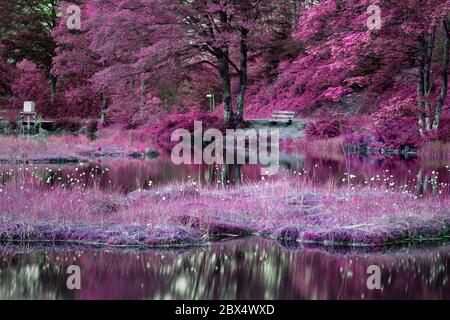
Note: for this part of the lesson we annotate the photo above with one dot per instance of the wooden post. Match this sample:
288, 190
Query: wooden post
212, 101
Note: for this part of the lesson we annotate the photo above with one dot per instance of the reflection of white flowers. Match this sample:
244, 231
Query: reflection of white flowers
374, 19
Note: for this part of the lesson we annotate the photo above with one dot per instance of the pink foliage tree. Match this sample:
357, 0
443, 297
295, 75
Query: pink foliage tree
148, 44
74, 64
346, 67
332, 65
101, 65
30, 84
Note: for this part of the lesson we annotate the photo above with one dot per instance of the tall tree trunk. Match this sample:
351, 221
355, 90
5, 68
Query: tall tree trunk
295, 14
242, 76
53, 81
142, 90
444, 76
225, 175
224, 71
420, 86
427, 79
105, 106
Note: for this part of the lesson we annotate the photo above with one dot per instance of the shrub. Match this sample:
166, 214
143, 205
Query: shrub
395, 123
327, 127
399, 133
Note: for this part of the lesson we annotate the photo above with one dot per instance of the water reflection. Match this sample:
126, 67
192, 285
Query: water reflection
421, 178
243, 269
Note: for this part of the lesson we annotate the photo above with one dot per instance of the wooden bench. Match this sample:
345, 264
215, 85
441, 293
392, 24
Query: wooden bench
283, 116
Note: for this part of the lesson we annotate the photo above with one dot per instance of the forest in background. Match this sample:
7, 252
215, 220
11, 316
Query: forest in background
152, 62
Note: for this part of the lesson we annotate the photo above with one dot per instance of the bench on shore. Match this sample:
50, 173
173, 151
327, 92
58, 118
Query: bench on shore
283, 116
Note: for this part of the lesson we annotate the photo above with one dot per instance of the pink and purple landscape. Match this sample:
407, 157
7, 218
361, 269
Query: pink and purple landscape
93, 92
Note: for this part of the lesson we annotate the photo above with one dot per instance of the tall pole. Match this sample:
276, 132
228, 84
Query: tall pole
212, 101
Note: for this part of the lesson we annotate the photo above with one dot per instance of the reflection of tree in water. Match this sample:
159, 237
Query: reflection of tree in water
230, 271
129, 175
25, 276
231, 174
242, 269
427, 182
416, 176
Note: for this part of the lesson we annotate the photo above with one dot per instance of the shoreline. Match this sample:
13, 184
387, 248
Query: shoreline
68, 148
327, 248
306, 244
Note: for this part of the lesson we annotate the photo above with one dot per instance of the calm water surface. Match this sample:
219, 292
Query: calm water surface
240, 269
421, 178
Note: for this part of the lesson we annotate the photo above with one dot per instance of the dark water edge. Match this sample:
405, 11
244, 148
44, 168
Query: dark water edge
251, 268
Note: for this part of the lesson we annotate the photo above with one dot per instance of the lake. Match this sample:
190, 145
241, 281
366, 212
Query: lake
413, 175
236, 269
